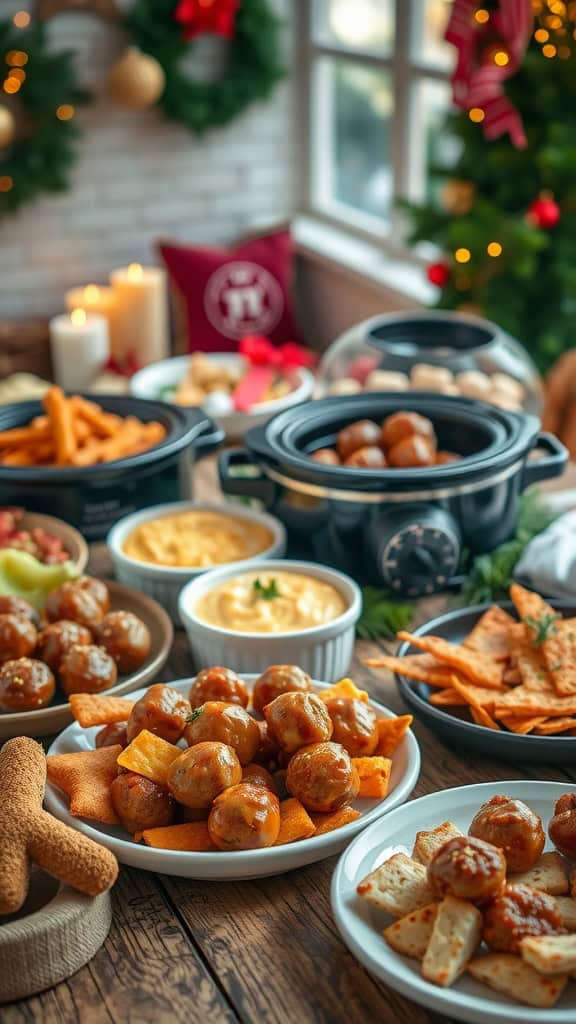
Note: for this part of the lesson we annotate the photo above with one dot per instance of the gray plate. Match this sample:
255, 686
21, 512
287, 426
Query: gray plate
455, 626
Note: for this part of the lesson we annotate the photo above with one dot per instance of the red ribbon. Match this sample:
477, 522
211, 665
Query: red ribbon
198, 17
261, 352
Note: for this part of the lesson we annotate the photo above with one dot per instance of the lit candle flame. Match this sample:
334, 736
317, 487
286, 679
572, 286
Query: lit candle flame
91, 293
78, 317
135, 272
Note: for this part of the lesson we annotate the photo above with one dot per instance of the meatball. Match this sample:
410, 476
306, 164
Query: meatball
467, 868
361, 434
516, 912
86, 669
12, 605
258, 776
369, 457
444, 458
197, 776
513, 827
57, 638
218, 683
322, 777
354, 724
25, 685
17, 637
141, 803
79, 600
268, 749
562, 827
401, 425
126, 638
279, 679
298, 719
162, 710
244, 817
112, 735
412, 452
327, 456
226, 723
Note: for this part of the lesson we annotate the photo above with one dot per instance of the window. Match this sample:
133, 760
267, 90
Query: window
378, 73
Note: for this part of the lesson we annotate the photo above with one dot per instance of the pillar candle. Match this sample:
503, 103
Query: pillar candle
79, 346
95, 298
141, 312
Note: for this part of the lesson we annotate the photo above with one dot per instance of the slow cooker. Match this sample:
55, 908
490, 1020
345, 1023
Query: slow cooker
94, 498
403, 528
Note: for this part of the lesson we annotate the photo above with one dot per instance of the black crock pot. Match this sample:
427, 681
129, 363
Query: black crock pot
403, 528
93, 498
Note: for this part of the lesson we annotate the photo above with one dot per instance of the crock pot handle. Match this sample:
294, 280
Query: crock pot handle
209, 439
548, 466
253, 486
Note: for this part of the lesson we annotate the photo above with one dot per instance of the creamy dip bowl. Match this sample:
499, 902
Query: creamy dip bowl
230, 617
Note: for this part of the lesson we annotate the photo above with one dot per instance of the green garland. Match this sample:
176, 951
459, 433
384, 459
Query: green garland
40, 157
254, 65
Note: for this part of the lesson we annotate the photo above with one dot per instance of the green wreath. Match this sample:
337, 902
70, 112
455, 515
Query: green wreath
46, 91
254, 64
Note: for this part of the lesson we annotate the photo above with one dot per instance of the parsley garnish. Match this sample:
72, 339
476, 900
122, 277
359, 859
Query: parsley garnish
556, 667
196, 712
266, 592
382, 615
543, 627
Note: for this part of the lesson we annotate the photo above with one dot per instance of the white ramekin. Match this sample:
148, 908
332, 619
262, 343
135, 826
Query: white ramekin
163, 582
324, 652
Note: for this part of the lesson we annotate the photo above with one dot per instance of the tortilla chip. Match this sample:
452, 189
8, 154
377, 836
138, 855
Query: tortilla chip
374, 775
399, 886
480, 715
559, 652
334, 819
478, 667
533, 672
490, 634
192, 837
93, 709
519, 724
512, 676
524, 702
509, 974
548, 875
447, 698
295, 822
422, 667
529, 605
550, 954
149, 755
410, 935
427, 843
344, 688
391, 732
86, 776
455, 938
550, 726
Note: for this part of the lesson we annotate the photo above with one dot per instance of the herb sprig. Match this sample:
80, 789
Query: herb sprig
544, 627
266, 591
381, 615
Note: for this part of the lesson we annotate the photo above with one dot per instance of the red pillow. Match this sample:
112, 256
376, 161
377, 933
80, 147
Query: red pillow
229, 293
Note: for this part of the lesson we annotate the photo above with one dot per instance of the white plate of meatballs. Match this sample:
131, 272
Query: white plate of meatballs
225, 739
93, 636
480, 956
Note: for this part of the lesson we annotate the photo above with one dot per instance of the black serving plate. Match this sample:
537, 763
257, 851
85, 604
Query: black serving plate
455, 626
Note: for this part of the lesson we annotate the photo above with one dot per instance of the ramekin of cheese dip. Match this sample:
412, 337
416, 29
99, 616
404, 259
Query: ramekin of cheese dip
158, 550
272, 612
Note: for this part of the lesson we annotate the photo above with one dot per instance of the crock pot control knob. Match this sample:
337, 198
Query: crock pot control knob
417, 549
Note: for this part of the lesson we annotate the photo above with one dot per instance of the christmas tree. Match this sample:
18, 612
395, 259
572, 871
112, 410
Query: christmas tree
504, 214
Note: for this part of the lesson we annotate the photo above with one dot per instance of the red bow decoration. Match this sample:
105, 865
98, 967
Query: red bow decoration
125, 367
201, 16
477, 80
261, 352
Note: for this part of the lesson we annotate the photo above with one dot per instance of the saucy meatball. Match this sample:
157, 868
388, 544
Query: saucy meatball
516, 912
17, 637
369, 457
327, 456
354, 724
361, 434
162, 710
401, 425
412, 452
112, 735
25, 685
57, 638
141, 803
86, 669
218, 683
126, 638
197, 776
279, 679
322, 777
512, 826
226, 723
268, 749
562, 827
78, 600
258, 775
298, 719
244, 817
467, 868
12, 605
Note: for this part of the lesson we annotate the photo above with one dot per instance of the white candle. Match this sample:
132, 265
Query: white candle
95, 298
141, 312
79, 346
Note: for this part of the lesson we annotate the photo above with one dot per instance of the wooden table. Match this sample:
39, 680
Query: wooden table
261, 952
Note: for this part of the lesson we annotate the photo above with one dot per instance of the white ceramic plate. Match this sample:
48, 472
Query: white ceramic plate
246, 863
361, 925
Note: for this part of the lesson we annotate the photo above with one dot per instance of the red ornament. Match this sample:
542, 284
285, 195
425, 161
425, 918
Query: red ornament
438, 274
201, 16
543, 213
261, 352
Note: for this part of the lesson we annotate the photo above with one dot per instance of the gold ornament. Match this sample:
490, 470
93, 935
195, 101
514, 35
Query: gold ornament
457, 197
7, 127
136, 80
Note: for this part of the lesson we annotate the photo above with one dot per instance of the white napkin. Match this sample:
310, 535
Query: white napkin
548, 563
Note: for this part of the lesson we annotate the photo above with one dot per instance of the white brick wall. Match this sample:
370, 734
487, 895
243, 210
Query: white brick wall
140, 177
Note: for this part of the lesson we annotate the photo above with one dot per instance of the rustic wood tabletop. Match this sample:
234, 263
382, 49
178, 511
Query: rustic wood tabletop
250, 952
